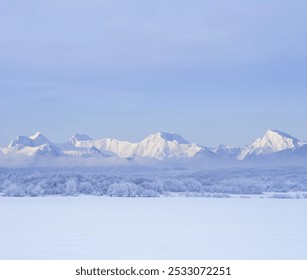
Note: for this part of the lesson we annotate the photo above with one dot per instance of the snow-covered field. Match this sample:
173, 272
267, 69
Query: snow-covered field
88, 227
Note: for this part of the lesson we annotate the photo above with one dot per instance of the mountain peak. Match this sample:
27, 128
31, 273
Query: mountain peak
35, 140
79, 137
272, 141
272, 132
38, 139
168, 137
37, 135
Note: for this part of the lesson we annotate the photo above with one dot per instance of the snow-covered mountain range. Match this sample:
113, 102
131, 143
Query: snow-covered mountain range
158, 146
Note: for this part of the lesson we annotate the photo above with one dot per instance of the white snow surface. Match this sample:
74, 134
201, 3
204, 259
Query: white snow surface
89, 227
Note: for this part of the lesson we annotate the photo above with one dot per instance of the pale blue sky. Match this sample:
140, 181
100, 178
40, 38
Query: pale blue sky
213, 71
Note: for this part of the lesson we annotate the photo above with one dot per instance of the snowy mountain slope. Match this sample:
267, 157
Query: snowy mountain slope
38, 144
273, 141
164, 145
45, 149
84, 152
301, 152
35, 140
274, 145
159, 146
122, 149
226, 151
79, 137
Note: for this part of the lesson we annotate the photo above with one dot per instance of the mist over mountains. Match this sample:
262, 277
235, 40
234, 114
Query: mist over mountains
274, 146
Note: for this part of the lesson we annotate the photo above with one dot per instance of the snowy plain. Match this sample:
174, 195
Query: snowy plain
91, 227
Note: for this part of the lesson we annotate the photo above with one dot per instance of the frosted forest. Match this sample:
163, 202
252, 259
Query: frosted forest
283, 182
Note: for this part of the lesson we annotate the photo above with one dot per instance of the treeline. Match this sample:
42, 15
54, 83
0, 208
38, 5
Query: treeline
150, 183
